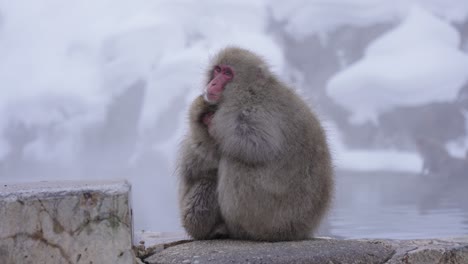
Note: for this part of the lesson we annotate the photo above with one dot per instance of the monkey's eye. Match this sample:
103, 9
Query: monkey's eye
228, 72
217, 69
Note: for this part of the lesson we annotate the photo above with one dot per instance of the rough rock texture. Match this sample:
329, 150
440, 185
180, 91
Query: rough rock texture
65, 222
329, 251
430, 251
310, 251
150, 243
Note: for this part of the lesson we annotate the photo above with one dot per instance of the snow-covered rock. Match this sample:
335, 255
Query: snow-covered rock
416, 63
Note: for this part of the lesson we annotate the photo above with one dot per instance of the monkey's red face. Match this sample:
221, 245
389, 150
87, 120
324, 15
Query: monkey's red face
222, 74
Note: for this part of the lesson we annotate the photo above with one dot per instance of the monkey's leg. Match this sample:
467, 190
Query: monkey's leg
201, 216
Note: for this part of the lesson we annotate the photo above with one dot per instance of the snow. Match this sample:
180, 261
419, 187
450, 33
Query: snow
416, 63
304, 17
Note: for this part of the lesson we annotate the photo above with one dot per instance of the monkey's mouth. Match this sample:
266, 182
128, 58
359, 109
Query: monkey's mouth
212, 97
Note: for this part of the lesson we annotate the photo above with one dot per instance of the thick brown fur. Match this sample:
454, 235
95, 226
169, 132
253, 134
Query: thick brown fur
274, 173
198, 169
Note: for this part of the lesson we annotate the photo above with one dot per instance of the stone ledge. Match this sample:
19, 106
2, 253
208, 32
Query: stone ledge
448, 250
329, 251
66, 222
46, 189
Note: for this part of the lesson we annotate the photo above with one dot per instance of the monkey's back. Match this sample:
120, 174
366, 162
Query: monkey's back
286, 198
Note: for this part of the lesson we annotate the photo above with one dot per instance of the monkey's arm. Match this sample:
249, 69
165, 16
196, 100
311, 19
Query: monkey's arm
197, 170
252, 135
200, 211
198, 200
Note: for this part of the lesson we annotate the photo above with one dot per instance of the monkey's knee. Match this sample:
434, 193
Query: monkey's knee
201, 214
198, 225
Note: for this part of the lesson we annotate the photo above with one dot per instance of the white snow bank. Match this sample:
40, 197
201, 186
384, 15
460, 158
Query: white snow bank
418, 62
303, 17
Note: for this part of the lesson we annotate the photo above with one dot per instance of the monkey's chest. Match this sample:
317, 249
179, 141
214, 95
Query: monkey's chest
240, 185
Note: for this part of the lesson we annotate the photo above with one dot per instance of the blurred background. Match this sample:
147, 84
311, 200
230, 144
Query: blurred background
99, 89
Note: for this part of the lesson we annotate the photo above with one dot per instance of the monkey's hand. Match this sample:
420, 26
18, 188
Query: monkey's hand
207, 117
201, 114
199, 148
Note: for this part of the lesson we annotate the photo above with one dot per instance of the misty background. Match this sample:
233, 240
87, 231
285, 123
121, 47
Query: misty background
99, 89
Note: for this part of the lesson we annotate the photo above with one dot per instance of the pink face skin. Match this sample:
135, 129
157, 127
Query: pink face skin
222, 74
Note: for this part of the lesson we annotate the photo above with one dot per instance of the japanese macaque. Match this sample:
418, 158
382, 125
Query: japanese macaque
256, 164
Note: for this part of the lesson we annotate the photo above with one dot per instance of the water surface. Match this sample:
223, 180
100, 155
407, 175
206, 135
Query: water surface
398, 205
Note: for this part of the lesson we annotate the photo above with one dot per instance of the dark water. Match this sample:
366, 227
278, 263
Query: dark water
398, 205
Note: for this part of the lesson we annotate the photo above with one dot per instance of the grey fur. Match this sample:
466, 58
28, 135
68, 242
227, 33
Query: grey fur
198, 168
274, 173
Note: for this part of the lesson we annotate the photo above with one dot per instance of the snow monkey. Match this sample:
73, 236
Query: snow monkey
255, 164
